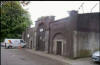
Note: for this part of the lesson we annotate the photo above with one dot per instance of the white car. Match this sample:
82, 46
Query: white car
96, 56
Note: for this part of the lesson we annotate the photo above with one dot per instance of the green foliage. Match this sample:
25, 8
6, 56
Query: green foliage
14, 20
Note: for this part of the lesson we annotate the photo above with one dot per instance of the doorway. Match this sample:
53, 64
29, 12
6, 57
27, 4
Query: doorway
59, 48
31, 45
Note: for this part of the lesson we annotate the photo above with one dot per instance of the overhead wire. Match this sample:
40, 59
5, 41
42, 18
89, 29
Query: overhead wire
80, 7
93, 7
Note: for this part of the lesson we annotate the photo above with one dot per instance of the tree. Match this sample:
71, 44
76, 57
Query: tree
24, 3
14, 20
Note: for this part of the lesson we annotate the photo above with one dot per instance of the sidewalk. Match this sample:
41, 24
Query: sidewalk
82, 61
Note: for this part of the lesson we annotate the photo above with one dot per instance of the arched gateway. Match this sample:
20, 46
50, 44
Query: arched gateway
41, 37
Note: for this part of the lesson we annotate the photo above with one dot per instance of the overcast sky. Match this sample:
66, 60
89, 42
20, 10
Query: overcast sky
59, 9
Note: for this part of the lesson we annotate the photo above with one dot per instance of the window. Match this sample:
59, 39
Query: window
22, 41
28, 35
41, 30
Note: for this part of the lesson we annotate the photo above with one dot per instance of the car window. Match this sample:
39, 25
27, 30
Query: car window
22, 41
97, 52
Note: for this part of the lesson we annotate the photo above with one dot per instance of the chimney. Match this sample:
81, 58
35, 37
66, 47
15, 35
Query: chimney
51, 18
48, 18
73, 13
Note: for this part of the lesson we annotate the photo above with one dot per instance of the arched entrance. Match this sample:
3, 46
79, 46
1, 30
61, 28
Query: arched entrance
41, 37
58, 44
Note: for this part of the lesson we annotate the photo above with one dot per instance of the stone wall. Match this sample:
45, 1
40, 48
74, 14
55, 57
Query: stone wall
64, 27
79, 33
44, 22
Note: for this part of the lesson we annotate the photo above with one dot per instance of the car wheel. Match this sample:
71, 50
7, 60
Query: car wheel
10, 47
24, 46
6, 47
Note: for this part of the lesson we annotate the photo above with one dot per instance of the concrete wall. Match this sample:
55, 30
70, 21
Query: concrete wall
85, 43
35, 47
94, 41
46, 41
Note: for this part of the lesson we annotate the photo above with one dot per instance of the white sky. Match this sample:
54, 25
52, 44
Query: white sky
58, 9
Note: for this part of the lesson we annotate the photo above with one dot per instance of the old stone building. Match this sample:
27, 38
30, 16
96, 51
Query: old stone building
79, 35
75, 36
42, 33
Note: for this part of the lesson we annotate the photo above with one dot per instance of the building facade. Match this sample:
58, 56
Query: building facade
75, 36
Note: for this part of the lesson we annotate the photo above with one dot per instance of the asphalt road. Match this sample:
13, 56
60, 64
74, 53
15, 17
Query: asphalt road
20, 57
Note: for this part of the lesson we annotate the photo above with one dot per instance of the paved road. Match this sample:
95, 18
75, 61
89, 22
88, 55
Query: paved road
20, 57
